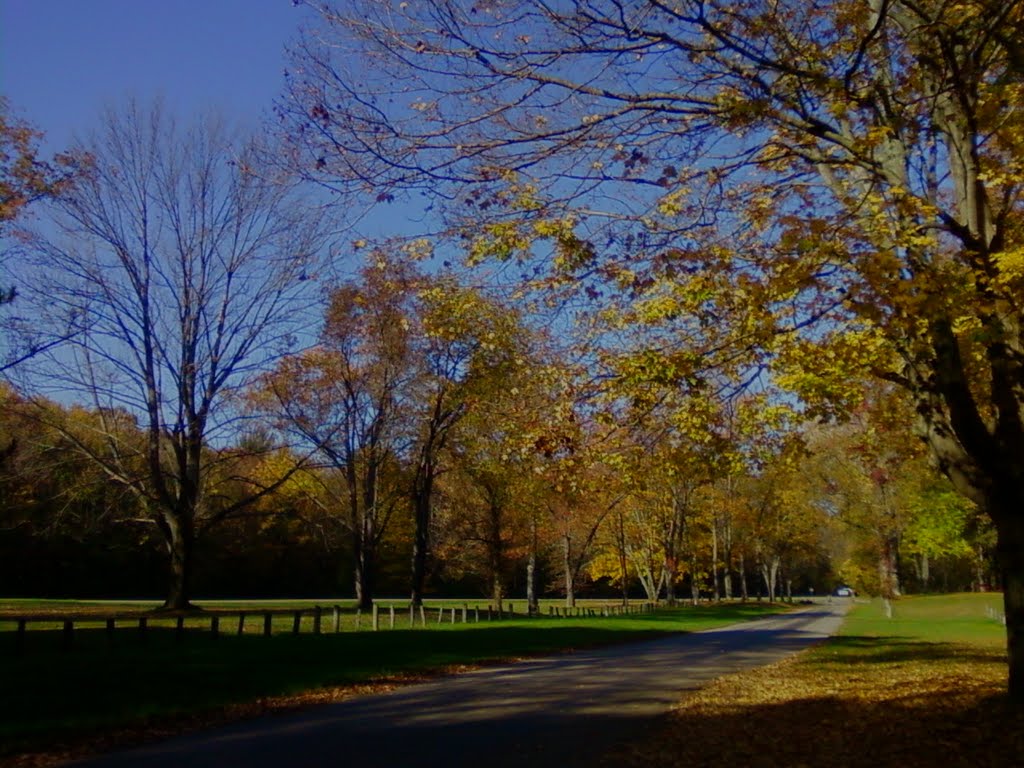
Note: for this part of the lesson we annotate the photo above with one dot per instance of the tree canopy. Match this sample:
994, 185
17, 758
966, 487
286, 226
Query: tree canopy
834, 188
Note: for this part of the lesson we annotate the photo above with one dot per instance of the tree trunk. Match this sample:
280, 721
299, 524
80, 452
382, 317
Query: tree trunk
364, 571
743, 578
694, 582
651, 588
364, 529
623, 563
570, 581
670, 582
714, 560
1010, 555
727, 552
496, 554
179, 538
770, 571
888, 568
422, 492
980, 583
532, 604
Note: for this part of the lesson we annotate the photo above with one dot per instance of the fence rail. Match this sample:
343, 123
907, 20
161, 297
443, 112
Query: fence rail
264, 621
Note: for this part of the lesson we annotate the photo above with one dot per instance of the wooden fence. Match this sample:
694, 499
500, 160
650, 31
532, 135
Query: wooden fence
322, 620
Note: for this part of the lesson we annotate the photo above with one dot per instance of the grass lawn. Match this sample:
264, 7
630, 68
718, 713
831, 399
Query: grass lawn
97, 694
924, 688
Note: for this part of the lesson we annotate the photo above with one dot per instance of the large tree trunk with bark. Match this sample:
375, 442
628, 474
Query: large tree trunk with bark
1010, 555
365, 566
179, 538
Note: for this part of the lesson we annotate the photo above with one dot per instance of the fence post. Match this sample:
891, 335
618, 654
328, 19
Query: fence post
215, 626
423, 617
266, 624
337, 618
376, 617
476, 614
68, 635
317, 614
359, 618
241, 623
296, 622
110, 631
465, 613
143, 624
391, 610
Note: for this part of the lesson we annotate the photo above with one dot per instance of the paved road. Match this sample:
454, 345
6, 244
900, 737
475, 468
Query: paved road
555, 711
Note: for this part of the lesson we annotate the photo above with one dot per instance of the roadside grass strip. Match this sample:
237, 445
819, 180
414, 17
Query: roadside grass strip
925, 688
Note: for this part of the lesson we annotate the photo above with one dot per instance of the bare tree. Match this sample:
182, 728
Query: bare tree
181, 264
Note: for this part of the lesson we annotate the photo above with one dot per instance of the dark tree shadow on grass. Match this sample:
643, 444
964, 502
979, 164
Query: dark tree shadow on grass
855, 650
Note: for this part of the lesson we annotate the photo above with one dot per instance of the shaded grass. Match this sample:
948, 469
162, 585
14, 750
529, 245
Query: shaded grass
925, 688
49, 694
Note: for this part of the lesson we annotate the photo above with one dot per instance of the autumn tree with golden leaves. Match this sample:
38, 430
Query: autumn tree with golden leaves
832, 188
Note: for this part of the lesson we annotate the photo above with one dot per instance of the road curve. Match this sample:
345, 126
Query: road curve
552, 711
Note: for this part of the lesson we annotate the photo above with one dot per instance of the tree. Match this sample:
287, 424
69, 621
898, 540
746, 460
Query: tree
938, 529
344, 400
871, 476
763, 166
180, 263
493, 493
468, 343
785, 525
868, 467
26, 178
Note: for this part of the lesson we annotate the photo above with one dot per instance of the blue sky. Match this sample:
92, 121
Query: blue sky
61, 61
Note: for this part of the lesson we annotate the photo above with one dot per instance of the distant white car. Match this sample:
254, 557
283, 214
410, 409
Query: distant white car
843, 592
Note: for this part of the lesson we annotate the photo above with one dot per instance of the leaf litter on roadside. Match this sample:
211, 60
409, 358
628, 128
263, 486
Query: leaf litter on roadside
827, 708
